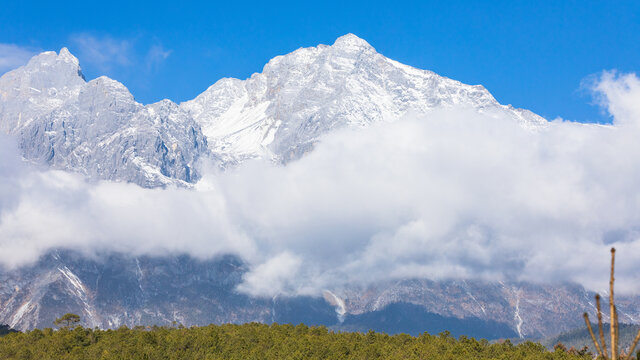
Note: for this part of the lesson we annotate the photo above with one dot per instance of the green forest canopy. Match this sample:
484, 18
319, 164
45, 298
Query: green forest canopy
259, 341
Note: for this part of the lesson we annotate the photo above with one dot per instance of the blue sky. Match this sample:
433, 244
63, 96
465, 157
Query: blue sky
530, 54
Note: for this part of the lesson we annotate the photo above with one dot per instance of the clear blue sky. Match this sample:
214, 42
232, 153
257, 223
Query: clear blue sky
532, 54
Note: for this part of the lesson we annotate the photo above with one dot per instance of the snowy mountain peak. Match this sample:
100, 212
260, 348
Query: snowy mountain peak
49, 70
351, 41
43, 84
282, 112
65, 55
96, 128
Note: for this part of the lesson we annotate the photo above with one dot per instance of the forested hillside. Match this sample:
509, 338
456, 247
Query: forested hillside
258, 341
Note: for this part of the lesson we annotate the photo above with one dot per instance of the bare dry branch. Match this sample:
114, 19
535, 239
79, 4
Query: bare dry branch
612, 308
601, 328
633, 345
593, 336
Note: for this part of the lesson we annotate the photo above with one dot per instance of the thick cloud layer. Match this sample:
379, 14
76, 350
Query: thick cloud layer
454, 194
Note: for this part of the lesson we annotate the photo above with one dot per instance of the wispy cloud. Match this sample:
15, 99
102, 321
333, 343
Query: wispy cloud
103, 52
13, 56
156, 55
108, 53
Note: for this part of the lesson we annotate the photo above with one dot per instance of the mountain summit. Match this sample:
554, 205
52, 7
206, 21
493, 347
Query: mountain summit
281, 112
351, 41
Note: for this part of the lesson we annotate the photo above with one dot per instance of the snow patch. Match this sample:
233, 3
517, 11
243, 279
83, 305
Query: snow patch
338, 303
516, 315
81, 292
25, 308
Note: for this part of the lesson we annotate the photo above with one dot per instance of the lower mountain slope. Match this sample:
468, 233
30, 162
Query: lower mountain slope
114, 289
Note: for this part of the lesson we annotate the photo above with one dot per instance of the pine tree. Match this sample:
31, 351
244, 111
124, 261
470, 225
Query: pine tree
67, 320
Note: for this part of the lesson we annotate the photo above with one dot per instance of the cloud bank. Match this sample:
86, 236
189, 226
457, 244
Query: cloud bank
454, 194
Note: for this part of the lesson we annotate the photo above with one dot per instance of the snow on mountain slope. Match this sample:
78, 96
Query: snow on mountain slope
298, 97
96, 127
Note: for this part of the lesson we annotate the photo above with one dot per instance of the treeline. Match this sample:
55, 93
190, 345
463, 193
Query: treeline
259, 341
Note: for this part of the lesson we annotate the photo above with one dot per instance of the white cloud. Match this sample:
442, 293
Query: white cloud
107, 53
454, 194
103, 52
156, 55
59, 209
13, 56
275, 276
619, 94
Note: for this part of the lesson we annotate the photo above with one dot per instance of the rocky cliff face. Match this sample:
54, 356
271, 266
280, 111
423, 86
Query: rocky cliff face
117, 290
531, 310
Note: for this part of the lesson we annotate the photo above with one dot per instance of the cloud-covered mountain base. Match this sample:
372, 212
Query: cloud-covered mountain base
454, 194
119, 289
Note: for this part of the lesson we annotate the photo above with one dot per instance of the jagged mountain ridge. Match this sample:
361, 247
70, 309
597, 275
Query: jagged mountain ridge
98, 129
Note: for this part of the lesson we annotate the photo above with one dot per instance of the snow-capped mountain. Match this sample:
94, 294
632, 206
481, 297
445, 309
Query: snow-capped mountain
96, 127
298, 97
